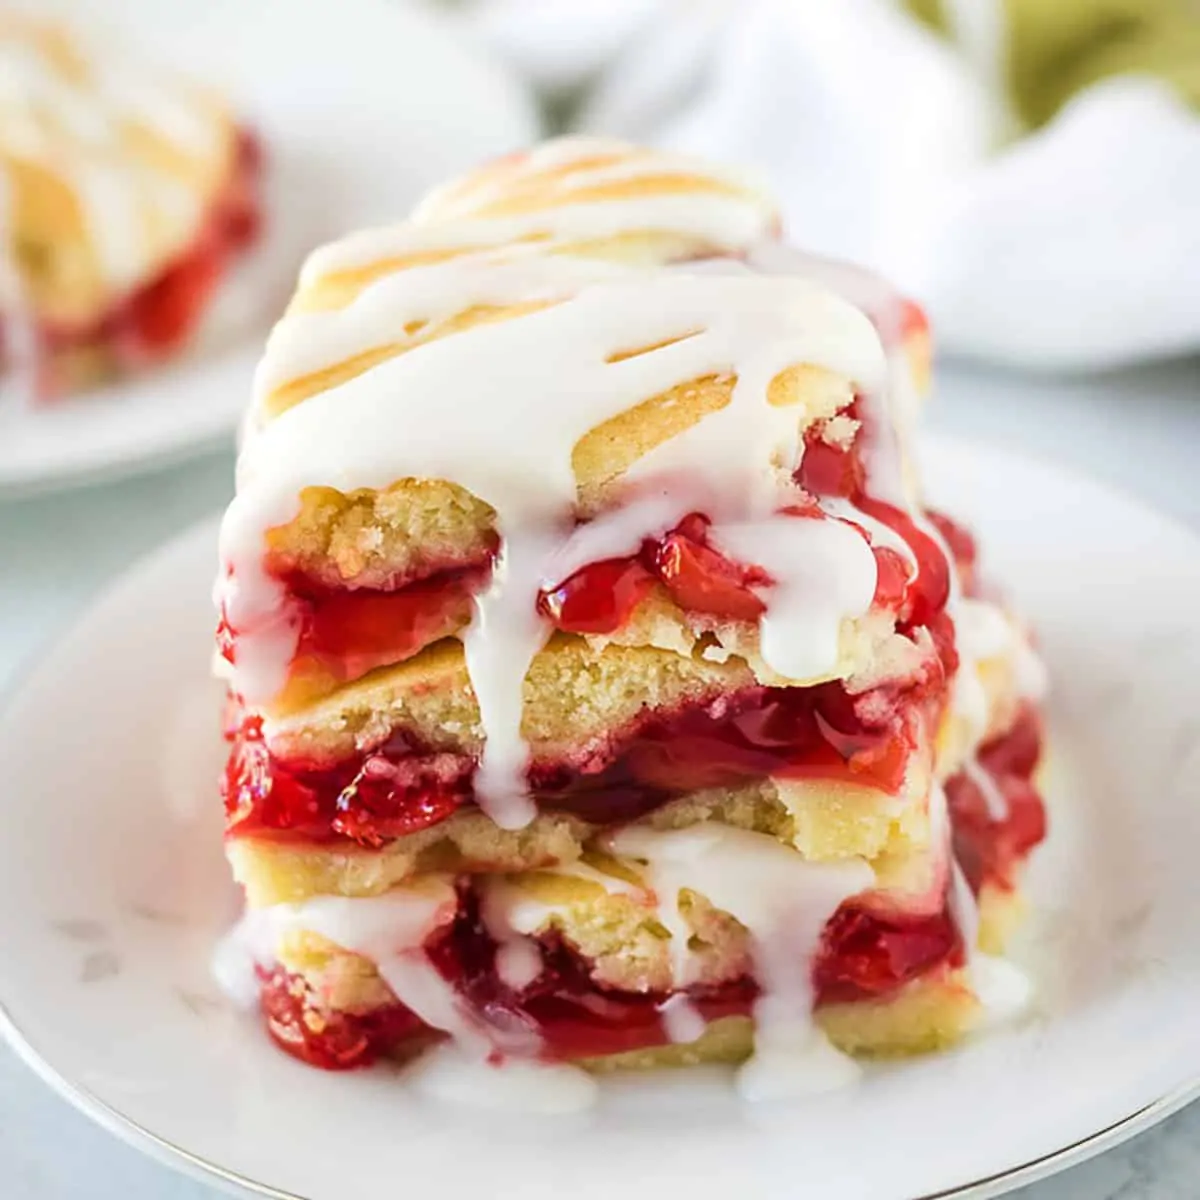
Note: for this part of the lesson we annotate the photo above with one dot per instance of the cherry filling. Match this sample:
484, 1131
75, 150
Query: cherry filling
602, 596
370, 799
837, 470
863, 953
347, 633
862, 956
990, 847
820, 732
157, 318
334, 1040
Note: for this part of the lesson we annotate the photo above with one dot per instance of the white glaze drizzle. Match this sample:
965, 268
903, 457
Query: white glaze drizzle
303, 343
512, 913
822, 570
725, 221
505, 383
994, 800
1003, 990
983, 629
484, 1065
784, 902
390, 930
548, 167
518, 956
681, 1019
518, 963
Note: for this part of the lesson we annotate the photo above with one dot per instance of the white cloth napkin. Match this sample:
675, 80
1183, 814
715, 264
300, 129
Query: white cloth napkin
1076, 247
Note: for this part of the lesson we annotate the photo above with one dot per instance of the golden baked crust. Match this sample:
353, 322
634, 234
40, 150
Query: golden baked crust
377, 538
521, 185
576, 695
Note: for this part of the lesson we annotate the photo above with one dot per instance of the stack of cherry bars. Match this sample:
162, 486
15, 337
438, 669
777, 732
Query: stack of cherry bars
601, 690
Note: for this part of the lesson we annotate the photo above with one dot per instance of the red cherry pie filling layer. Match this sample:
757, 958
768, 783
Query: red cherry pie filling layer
865, 953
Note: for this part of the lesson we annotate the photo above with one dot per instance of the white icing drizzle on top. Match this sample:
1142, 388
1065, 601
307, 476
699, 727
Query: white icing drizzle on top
548, 167
709, 219
784, 902
77, 128
303, 343
505, 383
994, 800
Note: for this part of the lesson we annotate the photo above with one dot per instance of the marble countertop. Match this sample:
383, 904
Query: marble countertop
1139, 430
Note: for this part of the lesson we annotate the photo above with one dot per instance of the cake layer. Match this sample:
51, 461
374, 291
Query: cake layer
678, 590
578, 701
634, 732
615, 954
593, 201
883, 988
822, 820
928, 1014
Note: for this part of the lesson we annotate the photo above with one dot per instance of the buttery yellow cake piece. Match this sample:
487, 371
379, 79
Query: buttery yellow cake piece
601, 690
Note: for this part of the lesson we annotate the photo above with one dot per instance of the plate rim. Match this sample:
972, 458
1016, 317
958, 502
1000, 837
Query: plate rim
179, 1158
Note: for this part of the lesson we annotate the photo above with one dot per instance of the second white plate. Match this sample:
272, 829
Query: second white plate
361, 105
113, 888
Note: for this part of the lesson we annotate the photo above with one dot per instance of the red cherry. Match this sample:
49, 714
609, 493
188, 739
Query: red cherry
334, 1041
598, 598
701, 580
387, 800
351, 633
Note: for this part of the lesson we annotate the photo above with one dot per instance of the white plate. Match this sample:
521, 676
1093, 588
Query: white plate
361, 105
113, 887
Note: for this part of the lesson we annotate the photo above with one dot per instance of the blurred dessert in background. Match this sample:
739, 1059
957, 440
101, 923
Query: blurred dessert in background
126, 193
602, 690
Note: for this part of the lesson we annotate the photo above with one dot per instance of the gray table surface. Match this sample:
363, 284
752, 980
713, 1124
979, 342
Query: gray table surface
1140, 430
